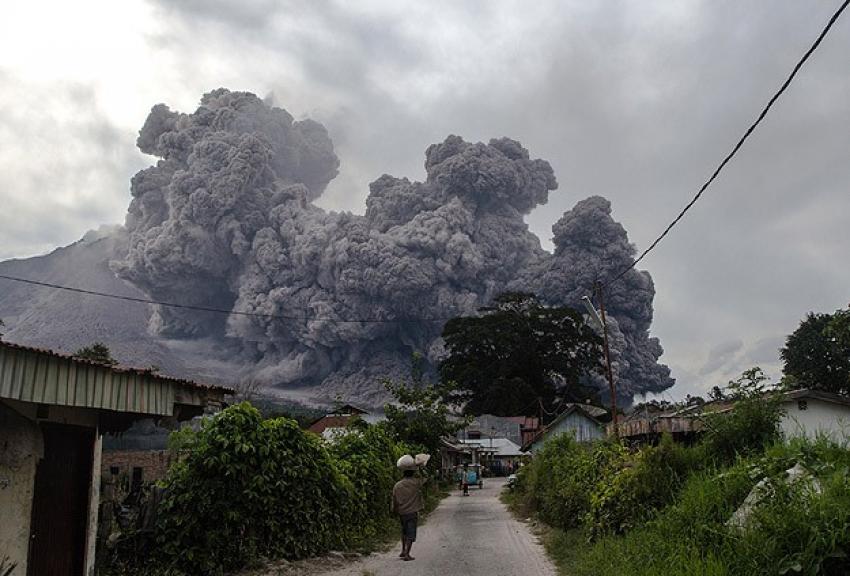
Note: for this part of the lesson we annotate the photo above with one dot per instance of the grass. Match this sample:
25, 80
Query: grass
796, 529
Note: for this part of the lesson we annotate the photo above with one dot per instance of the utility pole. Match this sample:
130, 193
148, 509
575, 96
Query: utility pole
608, 371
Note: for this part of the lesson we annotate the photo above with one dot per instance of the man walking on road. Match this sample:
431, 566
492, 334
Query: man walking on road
407, 501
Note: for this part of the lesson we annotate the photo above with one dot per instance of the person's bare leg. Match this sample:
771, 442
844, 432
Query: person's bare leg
403, 547
409, 547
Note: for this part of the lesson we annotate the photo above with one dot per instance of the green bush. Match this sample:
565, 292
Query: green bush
630, 491
368, 458
750, 427
791, 531
559, 481
246, 488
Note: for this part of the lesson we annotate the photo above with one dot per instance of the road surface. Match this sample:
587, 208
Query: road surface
465, 536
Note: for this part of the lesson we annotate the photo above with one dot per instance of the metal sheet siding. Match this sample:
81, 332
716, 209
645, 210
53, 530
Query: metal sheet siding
42, 378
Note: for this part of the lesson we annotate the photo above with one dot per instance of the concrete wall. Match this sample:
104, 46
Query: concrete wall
818, 417
21, 447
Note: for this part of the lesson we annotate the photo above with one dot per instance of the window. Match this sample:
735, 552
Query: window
114, 470
474, 435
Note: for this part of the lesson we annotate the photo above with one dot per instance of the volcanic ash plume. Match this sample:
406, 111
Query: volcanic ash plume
591, 246
225, 219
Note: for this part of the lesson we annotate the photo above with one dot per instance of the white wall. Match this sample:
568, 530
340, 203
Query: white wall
819, 417
21, 447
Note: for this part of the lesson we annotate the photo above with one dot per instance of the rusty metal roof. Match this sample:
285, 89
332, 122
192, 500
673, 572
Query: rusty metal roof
47, 377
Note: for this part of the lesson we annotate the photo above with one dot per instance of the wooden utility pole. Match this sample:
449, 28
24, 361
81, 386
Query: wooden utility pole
608, 372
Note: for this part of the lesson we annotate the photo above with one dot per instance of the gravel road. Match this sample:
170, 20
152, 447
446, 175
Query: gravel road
464, 536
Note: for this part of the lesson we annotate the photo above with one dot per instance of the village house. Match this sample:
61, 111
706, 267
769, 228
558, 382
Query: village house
137, 457
583, 421
517, 429
54, 411
500, 455
805, 413
335, 422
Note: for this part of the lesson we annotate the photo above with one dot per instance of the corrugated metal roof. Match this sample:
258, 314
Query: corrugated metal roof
46, 377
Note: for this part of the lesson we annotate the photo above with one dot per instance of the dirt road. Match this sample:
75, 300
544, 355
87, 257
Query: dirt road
465, 536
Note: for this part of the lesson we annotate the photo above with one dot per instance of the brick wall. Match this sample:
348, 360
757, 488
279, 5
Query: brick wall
119, 465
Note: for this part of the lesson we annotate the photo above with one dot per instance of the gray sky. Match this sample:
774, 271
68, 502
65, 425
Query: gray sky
636, 101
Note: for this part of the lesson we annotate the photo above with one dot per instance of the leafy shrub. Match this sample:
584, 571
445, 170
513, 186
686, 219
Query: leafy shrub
368, 457
249, 487
638, 485
792, 531
750, 427
559, 481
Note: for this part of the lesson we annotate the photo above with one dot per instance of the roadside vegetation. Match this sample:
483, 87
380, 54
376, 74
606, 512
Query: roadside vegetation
247, 489
667, 509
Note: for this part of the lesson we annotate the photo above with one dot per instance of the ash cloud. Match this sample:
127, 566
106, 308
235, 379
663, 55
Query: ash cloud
225, 218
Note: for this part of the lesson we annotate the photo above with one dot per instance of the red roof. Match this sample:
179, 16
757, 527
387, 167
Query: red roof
331, 421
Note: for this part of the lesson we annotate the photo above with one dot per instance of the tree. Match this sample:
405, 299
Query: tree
518, 356
753, 422
97, 352
419, 416
817, 354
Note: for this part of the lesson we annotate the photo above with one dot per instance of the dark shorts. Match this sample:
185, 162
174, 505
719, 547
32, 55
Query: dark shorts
408, 525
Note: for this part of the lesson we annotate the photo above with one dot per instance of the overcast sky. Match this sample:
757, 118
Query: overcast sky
635, 101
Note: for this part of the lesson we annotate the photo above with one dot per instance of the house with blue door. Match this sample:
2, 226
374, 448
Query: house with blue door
583, 421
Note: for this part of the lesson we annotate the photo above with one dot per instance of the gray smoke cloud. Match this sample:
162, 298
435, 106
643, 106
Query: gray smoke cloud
225, 219
589, 247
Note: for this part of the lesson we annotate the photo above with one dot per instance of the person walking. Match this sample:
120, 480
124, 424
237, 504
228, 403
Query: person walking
408, 501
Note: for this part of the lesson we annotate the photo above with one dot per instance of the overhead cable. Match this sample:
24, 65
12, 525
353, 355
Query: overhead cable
740, 143
220, 310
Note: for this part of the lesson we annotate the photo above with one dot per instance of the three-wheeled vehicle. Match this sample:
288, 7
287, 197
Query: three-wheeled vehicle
468, 475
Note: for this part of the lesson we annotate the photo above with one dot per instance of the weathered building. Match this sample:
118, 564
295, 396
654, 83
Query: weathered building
806, 413
580, 420
54, 410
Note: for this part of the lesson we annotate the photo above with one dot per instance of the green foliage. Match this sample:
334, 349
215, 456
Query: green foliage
817, 354
249, 487
794, 531
666, 509
419, 417
560, 479
97, 352
368, 457
634, 486
749, 427
515, 353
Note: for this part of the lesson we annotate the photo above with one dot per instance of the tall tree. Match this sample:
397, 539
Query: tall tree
518, 356
817, 353
97, 352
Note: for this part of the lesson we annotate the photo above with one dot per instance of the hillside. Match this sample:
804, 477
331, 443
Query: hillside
66, 321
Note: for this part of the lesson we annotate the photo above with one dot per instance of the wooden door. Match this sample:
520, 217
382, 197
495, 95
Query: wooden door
61, 502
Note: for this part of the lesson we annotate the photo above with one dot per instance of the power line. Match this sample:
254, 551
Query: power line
220, 310
740, 143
